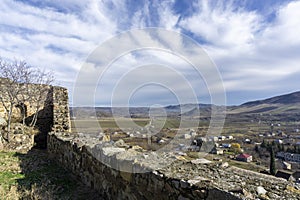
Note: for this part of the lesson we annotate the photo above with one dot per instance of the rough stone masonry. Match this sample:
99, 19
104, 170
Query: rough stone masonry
115, 173
53, 113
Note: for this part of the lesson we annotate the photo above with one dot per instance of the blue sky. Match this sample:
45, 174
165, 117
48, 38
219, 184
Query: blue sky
254, 44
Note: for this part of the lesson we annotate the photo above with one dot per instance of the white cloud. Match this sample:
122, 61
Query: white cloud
46, 37
223, 26
252, 52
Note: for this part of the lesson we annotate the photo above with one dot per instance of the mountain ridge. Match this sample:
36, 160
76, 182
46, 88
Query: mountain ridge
289, 98
286, 106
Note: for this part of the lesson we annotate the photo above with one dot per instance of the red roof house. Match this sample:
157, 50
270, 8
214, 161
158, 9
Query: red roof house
244, 157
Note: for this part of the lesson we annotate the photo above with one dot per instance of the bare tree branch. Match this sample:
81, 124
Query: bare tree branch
22, 84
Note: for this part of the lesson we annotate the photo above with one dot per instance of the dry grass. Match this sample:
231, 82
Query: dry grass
9, 194
93, 125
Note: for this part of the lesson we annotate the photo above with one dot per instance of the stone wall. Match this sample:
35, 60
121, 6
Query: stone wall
115, 184
55, 115
61, 113
85, 157
53, 112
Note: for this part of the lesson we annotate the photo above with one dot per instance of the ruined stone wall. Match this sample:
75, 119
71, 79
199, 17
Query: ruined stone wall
74, 155
53, 111
85, 156
55, 116
61, 112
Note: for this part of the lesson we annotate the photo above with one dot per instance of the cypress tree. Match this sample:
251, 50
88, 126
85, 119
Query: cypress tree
272, 162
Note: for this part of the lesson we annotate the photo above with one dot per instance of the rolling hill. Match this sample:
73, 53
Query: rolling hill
283, 107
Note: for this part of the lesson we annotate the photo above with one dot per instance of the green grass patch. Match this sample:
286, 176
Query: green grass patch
34, 176
7, 179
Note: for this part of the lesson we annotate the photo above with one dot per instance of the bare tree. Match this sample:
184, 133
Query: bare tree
21, 84
42, 80
15, 75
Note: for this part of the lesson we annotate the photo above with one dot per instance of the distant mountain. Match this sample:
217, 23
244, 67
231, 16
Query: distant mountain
291, 98
283, 107
187, 108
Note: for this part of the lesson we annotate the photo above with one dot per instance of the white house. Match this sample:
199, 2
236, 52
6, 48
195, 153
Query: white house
286, 165
187, 136
278, 141
217, 151
214, 138
221, 137
229, 137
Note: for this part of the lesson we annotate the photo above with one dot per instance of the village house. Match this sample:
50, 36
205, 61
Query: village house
282, 134
293, 157
288, 141
286, 165
278, 141
248, 141
225, 146
187, 136
285, 175
229, 137
214, 138
217, 151
289, 176
222, 138
244, 157
272, 134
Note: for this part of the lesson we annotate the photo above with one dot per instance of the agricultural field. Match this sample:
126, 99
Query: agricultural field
93, 125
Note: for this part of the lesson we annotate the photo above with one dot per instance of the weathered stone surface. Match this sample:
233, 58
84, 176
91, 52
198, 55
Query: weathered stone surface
179, 179
260, 190
200, 161
2, 122
121, 143
225, 165
53, 112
